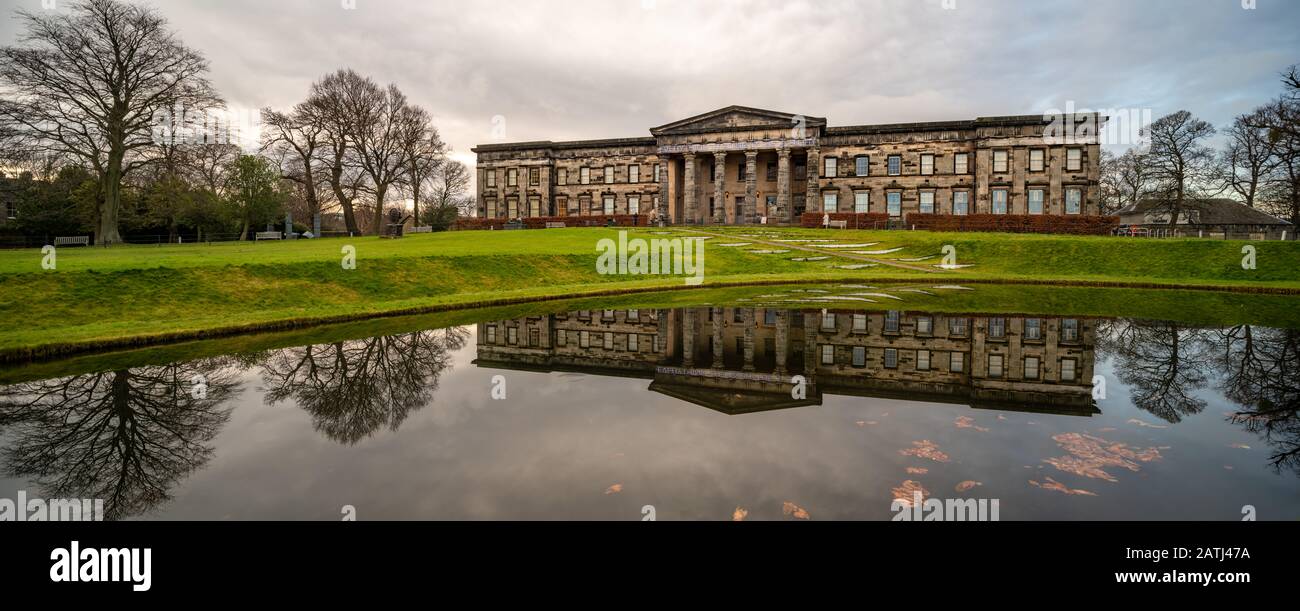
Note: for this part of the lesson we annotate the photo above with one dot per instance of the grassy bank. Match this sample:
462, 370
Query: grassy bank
143, 293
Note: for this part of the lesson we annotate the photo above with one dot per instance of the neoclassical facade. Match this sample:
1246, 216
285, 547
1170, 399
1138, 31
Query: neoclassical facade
740, 165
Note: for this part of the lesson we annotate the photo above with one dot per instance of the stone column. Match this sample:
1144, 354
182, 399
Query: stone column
663, 188
717, 338
749, 339
688, 202
783, 184
719, 184
813, 203
688, 338
751, 187
661, 330
782, 337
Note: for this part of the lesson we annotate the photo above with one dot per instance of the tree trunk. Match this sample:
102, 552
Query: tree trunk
112, 201
243, 234
380, 190
336, 183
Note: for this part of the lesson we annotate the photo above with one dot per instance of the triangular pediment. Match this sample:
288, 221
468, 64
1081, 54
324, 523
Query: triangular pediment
734, 118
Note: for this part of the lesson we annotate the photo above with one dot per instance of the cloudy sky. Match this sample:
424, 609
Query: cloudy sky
576, 69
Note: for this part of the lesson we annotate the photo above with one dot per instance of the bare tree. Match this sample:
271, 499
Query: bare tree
425, 160
385, 129
1178, 161
329, 108
89, 83
294, 141
1124, 179
1249, 157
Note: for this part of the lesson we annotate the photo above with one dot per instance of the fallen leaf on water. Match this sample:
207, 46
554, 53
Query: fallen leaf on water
739, 514
905, 493
917, 470
1146, 424
964, 422
967, 485
616, 488
1240, 446
1051, 484
925, 449
791, 509
1090, 455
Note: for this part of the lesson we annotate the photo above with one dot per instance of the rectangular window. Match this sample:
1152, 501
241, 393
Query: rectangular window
1035, 201
999, 201
960, 202
859, 356
1067, 370
828, 321
633, 342
997, 328
561, 338
534, 176
491, 178
927, 164
1036, 160
584, 176
609, 174
922, 360
830, 167
894, 203
512, 208
491, 205
609, 204
961, 163
658, 176
534, 206
491, 334
584, 339
769, 316
562, 176
562, 206
771, 172
860, 323
512, 335
738, 315
828, 355
633, 204
1069, 330
1033, 328
995, 365
957, 326
891, 358
924, 325
957, 362
607, 315
830, 201
927, 202
861, 165
891, 321
608, 340
1073, 160
1031, 368
584, 205
633, 315
512, 177
895, 165
1072, 198
999, 162
861, 202
634, 173
801, 170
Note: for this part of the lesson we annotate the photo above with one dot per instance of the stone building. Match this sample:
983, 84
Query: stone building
741, 165
740, 360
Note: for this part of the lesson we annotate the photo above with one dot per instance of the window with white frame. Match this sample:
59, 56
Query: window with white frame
892, 318
609, 174
634, 173
658, 176
633, 342
512, 177
828, 320
961, 202
1033, 328
534, 177
860, 323
1068, 370
859, 356
829, 167
1031, 368
926, 204
895, 165
1073, 160
927, 164
608, 340
861, 202
830, 201
995, 365
894, 203
891, 358
828, 355
584, 176
561, 338
1036, 160
1035, 201
512, 335
1073, 197
957, 362
633, 204
584, 339
999, 201
1069, 330
609, 204
490, 205
534, 206
957, 326
491, 176
997, 328
961, 163
491, 334
924, 325
922, 360
861, 165
562, 176
1000, 162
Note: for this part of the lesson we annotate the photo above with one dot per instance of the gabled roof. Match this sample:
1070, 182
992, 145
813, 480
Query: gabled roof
734, 118
1212, 211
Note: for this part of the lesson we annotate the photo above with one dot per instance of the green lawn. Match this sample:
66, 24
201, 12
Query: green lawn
100, 296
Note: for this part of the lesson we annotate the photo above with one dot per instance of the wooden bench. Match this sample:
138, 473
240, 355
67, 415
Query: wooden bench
83, 240
425, 229
267, 235
838, 224
555, 224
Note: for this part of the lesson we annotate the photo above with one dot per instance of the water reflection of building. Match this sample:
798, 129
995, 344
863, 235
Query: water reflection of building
740, 360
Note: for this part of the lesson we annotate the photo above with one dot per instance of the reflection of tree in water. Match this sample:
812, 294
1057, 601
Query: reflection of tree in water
1162, 363
125, 436
1262, 373
353, 388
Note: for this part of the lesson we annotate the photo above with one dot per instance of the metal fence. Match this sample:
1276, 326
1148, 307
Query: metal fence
18, 242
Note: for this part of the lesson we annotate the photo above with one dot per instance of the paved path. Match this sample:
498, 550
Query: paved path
819, 251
